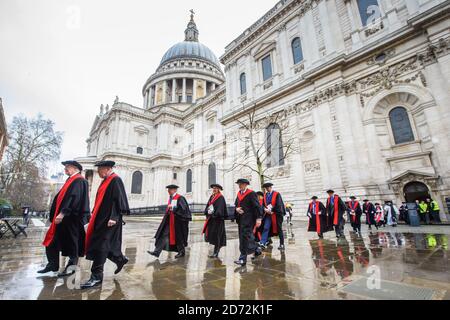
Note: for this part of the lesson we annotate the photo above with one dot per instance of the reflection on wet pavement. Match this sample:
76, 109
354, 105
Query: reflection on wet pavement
401, 260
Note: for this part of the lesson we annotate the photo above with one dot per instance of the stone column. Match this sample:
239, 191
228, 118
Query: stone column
356, 39
194, 90
284, 48
213, 86
174, 90
164, 98
184, 90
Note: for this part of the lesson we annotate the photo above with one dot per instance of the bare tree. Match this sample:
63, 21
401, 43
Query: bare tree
33, 144
269, 140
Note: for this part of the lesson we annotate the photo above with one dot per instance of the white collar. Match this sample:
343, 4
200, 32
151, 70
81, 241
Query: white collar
74, 174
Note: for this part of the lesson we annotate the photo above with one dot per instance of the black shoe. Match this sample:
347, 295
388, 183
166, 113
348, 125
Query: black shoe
258, 253
281, 247
66, 273
180, 255
92, 283
269, 242
320, 236
121, 264
47, 269
214, 256
241, 262
154, 253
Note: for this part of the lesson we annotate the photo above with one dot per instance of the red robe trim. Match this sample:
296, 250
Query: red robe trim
356, 205
211, 202
336, 209
318, 222
273, 216
98, 203
241, 197
172, 235
62, 193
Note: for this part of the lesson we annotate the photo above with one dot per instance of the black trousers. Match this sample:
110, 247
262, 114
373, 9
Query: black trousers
98, 264
163, 243
52, 252
340, 228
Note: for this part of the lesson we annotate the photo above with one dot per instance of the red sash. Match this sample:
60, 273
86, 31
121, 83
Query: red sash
241, 197
98, 203
273, 216
172, 235
60, 197
211, 202
354, 209
336, 209
318, 222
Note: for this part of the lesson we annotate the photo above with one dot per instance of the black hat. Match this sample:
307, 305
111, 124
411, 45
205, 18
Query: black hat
314, 198
172, 186
366, 200
330, 191
215, 185
245, 181
353, 197
73, 163
260, 193
268, 185
105, 163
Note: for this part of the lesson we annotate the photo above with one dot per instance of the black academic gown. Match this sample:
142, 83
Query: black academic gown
342, 208
313, 225
70, 235
183, 216
355, 219
280, 211
108, 240
247, 221
369, 211
215, 233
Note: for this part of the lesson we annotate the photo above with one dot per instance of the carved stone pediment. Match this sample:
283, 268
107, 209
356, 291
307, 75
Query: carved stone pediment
264, 49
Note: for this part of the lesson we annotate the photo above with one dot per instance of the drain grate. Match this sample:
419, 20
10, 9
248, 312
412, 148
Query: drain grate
388, 291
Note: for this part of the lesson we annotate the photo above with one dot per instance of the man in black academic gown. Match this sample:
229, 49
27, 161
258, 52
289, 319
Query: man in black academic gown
68, 215
172, 234
317, 215
274, 212
335, 211
369, 210
248, 214
104, 235
216, 213
354, 213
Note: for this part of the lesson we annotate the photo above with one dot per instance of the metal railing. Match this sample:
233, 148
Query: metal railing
196, 209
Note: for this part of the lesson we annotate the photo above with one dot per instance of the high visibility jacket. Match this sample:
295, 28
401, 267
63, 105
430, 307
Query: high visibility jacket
423, 207
434, 206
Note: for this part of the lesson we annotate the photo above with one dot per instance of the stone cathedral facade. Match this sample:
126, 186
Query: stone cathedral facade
364, 84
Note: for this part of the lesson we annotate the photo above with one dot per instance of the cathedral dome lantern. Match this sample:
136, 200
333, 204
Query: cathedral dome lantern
188, 71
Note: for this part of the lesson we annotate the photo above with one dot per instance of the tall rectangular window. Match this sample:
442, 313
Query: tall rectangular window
267, 67
369, 10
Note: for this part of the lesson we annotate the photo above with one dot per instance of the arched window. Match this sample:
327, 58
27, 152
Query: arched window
274, 146
243, 82
189, 181
212, 176
401, 126
136, 183
297, 51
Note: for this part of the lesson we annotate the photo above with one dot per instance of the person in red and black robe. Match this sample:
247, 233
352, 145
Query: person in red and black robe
354, 212
369, 210
104, 233
216, 213
68, 215
335, 211
317, 214
257, 232
173, 232
274, 212
248, 214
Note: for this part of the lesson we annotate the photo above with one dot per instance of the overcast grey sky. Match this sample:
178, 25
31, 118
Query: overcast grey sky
64, 58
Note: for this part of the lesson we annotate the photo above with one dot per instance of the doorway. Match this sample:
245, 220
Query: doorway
416, 191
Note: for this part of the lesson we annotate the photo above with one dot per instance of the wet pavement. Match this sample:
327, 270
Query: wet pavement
394, 263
